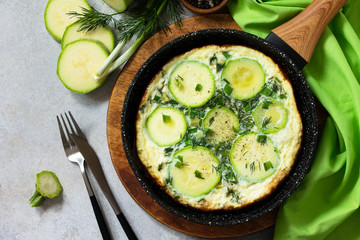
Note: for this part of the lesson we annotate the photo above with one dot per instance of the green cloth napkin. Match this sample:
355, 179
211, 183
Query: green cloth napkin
326, 205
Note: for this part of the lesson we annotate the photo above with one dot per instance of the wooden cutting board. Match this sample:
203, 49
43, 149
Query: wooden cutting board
117, 153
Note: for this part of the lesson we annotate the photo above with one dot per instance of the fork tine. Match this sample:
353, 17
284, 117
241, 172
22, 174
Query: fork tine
67, 130
71, 127
80, 133
62, 134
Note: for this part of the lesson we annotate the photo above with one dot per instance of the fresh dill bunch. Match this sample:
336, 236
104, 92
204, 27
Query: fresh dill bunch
143, 18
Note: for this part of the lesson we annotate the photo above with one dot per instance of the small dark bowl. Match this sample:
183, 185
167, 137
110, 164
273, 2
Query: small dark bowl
305, 102
204, 11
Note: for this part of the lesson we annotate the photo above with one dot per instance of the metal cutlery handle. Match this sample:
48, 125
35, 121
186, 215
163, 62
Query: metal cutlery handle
94, 164
98, 214
100, 219
126, 226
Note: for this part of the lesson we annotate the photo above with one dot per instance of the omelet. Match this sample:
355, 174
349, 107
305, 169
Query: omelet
218, 127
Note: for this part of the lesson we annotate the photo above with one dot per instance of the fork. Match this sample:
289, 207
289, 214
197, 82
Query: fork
73, 154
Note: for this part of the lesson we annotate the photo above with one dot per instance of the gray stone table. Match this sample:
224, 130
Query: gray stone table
31, 96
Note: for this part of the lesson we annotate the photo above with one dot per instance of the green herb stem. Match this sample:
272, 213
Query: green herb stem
110, 65
36, 199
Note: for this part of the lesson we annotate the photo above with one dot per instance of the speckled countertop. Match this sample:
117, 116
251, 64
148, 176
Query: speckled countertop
31, 96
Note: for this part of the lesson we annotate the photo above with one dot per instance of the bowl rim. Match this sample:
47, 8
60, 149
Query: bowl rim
203, 10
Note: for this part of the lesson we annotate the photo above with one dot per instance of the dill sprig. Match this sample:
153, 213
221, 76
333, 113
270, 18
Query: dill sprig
143, 20
91, 19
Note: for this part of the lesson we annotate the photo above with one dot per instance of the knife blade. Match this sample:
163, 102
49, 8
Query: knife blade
93, 163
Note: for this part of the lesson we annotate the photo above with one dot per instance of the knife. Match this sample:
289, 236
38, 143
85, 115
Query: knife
94, 164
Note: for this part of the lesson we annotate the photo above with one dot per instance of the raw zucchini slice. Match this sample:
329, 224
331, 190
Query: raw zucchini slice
78, 63
166, 126
102, 34
254, 157
118, 5
270, 116
56, 18
223, 123
192, 171
192, 83
47, 184
246, 77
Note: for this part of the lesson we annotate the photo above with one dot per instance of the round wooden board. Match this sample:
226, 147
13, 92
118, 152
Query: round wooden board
117, 153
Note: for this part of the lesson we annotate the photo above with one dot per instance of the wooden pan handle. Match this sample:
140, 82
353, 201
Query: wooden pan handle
303, 32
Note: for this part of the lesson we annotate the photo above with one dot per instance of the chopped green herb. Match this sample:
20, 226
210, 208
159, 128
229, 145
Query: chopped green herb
235, 129
234, 195
192, 130
168, 151
209, 132
194, 113
211, 120
249, 124
213, 59
265, 122
200, 200
266, 104
266, 91
177, 79
198, 174
179, 162
226, 81
168, 180
226, 54
166, 118
252, 167
228, 89
160, 166
247, 107
220, 101
268, 165
198, 87
187, 141
282, 96
225, 153
261, 139
157, 98
219, 67
142, 108
172, 102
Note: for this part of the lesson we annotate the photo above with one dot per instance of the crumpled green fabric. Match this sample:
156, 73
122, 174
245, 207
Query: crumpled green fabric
326, 205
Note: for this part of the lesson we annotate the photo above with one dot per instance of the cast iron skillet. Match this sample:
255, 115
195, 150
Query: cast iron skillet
290, 59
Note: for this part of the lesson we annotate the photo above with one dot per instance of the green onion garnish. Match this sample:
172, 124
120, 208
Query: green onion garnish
266, 91
261, 139
268, 165
228, 89
166, 118
226, 54
209, 132
247, 107
192, 130
198, 87
198, 174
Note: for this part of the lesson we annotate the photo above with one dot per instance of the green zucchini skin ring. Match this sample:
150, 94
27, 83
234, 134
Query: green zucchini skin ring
239, 158
243, 90
182, 85
184, 179
166, 134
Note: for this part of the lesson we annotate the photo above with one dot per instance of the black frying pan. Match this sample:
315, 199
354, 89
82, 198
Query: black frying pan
290, 58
